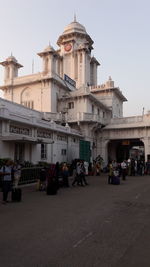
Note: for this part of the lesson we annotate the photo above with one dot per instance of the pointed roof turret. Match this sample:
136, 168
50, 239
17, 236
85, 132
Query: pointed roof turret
48, 50
11, 60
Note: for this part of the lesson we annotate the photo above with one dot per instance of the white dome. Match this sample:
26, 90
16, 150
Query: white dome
49, 48
74, 27
11, 58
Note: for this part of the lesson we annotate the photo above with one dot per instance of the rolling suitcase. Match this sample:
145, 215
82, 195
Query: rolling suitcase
52, 188
115, 180
16, 195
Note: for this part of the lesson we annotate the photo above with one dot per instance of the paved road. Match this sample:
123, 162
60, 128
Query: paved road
97, 225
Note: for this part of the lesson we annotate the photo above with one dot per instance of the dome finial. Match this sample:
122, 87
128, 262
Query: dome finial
75, 17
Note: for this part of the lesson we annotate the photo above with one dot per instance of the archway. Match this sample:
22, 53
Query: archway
124, 149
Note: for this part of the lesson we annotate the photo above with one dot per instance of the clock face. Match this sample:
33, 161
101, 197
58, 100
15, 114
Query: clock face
68, 47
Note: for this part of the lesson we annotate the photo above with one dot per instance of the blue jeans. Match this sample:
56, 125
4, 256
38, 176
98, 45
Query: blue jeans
7, 187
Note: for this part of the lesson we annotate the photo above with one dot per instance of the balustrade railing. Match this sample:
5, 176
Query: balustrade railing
87, 117
29, 175
127, 120
75, 117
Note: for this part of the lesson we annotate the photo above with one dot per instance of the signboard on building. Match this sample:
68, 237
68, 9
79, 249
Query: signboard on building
126, 143
14, 129
44, 134
69, 80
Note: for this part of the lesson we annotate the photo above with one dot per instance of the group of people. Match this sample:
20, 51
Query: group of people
58, 175
130, 167
10, 174
136, 167
116, 170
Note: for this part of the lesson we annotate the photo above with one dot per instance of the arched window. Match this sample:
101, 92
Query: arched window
26, 98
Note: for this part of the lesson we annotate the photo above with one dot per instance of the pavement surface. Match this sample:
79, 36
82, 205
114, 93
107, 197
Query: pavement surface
96, 225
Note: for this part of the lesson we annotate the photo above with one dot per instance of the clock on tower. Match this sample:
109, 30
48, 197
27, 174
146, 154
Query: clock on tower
68, 47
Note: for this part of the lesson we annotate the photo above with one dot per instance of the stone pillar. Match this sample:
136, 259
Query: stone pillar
72, 66
61, 68
52, 65
146, 141
6, 73
69, 149
83, 68
78, 70
45, 64
12, 72
104, 151
76, 66
95, 74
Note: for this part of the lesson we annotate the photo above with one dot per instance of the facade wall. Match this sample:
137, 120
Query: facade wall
23, 134
36, 152
6, 150
88, 76
81, 105
62, 151
67, 65
38, 94
105, 98
117, 109
53, 98
44, 98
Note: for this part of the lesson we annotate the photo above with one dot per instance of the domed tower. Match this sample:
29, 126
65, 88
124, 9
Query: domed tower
75, 49
48, 56
11, 66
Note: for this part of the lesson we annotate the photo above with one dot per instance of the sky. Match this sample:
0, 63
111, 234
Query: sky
120, 30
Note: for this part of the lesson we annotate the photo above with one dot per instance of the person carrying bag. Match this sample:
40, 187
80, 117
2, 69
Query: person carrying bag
6, 172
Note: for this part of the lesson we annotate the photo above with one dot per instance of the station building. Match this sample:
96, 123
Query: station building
62, 112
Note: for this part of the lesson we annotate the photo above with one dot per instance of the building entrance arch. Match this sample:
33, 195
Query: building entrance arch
124, 149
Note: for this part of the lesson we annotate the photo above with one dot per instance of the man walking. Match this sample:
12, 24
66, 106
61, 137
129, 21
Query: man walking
6, 172
124, 170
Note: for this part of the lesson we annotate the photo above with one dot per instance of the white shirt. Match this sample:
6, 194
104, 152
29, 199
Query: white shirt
6, 169
123, 165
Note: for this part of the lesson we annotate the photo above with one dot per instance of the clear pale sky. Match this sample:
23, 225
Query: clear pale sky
120, 30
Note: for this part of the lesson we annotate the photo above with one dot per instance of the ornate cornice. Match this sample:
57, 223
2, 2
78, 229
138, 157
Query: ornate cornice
63, 37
